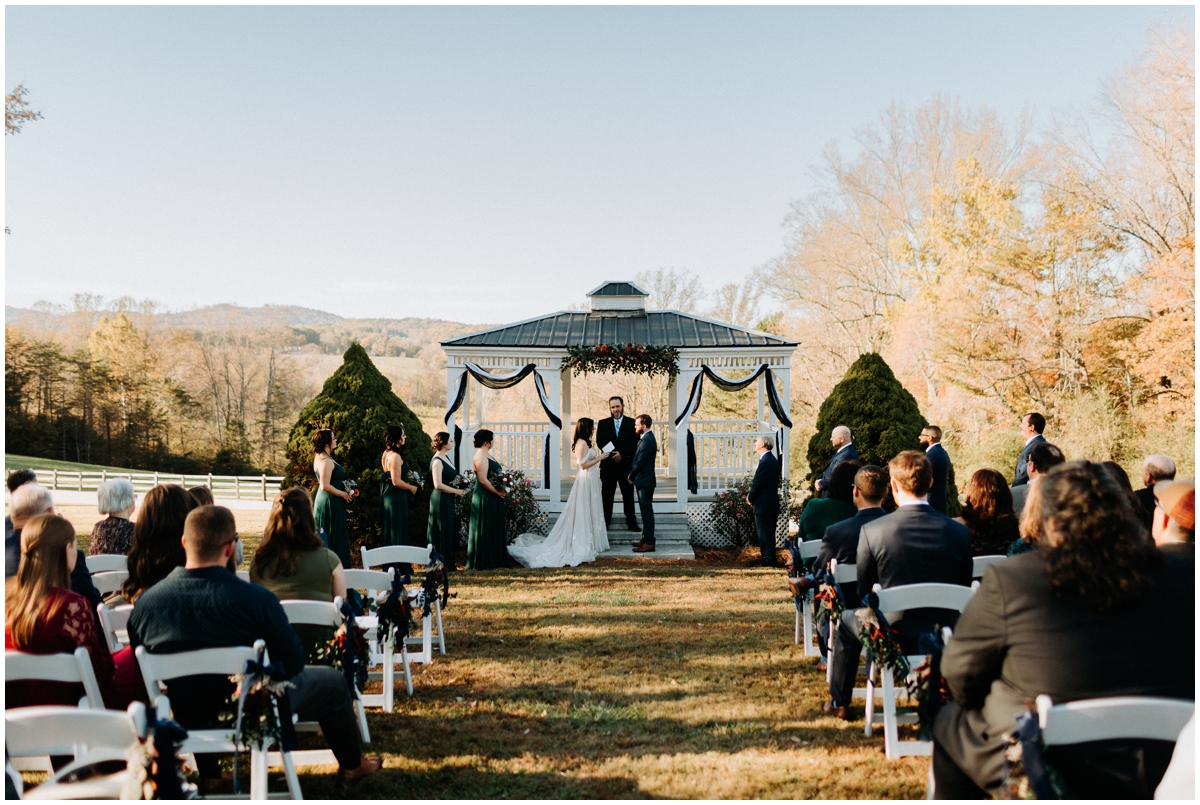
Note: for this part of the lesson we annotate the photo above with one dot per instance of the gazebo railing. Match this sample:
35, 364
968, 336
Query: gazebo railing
516, 445
725, 452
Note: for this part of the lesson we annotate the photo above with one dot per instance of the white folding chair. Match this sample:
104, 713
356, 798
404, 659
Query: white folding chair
109, 580
411, 554
898, 599
77, 667
157, 669
91, 736
104, 562
244, 575
979, 563
842, 574
804, 620
382, 653
322, 613
1133, 717
115, 622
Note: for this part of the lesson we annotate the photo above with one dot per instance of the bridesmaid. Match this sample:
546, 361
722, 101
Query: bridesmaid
329, 507
443, 531
394, 490
485, 543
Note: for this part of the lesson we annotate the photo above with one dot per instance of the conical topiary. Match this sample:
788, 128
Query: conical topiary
357, 402
882, 416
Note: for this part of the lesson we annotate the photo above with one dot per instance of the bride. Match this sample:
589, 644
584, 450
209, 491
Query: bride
580, 533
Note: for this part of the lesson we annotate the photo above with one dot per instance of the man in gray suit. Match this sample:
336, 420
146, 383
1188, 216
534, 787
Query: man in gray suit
1032, 425
641, 475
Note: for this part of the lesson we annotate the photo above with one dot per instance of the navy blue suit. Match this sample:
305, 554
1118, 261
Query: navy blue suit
941, 473
1021, 476
847, 453
641, 473
764, 496
841, 543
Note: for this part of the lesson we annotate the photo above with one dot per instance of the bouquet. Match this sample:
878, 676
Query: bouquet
351, 487
413, 477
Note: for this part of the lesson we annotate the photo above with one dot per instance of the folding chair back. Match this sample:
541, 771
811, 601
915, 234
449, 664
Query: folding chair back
91, 736
1132, 717
116, 625
104, 562
373, 581
804, 619
844, 574
77, 667
979, 563
244, 575
924, 596
389, 554
109, 581
810, 549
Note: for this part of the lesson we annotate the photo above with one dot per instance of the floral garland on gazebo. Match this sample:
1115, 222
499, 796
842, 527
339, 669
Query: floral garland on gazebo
639, 359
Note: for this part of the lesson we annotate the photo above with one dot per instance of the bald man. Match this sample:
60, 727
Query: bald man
843, 446
1154, 469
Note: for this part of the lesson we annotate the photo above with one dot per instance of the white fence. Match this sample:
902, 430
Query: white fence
516, 445
241, 487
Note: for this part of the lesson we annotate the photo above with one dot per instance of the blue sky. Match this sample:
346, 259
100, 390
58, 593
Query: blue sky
479, 164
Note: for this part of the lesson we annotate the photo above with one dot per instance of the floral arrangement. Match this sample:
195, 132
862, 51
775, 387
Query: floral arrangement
733, 515
413, 477
335, 653
638, 359
394, 613
522, 514
254, 709
351, 487
1026, 773
882, 642
436, 579
826, 599
930, 686
155, 768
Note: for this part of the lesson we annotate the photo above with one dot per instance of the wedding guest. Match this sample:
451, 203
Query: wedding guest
1029, 525
394, 491
1080, 618
28, 501
292, 562
1121, 477
332, 497
1042, 457
43, 616
15, 481
836, 506
202, 494
844, 450
113, 534
1174, 526
931, 441
1032, 426
156, 549
1154, 469
486, 538
988, 514
764, 497
443, 530
202, 605
912, 545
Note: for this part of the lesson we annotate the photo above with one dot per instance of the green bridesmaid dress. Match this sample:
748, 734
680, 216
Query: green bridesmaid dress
485, 543
393, 513
443, 531
330, 513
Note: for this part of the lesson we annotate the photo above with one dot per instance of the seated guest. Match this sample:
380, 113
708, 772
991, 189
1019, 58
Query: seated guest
15, 481
837, 505
202, 494
1174, 525
43, 616
1095, 611
1154, 469
912, 545
293, 562
1030, 524
203, 605
157, 549
28, 501
988, 513
113, 534
1042, 456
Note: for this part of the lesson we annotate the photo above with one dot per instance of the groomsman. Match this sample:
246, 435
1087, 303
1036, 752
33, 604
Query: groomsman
641, 477
842, 443
931, 440
1032, 425
764, 497
621, 431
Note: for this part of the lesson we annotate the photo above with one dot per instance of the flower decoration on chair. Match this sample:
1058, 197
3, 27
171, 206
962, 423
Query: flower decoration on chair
1026, 773
882, 641
155, 768
394, 613
436, 578
348, 644
262, 711
927, 680
638, 359
828, 597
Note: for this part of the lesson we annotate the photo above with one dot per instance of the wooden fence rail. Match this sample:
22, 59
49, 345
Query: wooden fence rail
240, 487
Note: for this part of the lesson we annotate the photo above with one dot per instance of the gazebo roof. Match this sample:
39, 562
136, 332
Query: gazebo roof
570, 328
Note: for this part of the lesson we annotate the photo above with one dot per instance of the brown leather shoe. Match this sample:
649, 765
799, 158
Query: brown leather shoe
370, 764
643, 548
821, 666
838, 712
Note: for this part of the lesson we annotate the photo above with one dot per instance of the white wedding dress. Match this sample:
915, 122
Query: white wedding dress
580, 533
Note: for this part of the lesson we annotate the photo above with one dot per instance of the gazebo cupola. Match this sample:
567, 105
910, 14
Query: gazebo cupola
618, 298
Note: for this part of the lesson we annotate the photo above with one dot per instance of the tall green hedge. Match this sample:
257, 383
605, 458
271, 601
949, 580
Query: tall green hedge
357, 402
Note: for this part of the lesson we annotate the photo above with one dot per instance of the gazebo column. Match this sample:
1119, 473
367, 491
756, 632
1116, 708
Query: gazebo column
682, 383
785, 442
673, 437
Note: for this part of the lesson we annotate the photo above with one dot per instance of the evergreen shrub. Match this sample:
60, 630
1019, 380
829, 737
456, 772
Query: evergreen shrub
357, 403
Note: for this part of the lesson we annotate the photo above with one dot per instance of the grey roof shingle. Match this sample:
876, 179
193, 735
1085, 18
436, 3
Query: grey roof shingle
571, 328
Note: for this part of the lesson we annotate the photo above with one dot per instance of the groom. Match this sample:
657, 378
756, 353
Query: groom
641, 476
618, 429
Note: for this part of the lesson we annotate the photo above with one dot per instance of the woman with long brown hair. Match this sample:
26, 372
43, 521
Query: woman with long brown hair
157, 538
988, 514
43, 616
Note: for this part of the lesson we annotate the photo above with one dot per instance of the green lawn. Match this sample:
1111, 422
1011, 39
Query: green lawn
15, 462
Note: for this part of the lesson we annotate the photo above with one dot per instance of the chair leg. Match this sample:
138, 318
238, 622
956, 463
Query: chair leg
404, 658
389, 679
798, 625
289, 773
437, 608
258, 774
891, 734
869, 710
362, 719
834, 624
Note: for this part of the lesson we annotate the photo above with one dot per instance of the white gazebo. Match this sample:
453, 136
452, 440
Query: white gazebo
722, 450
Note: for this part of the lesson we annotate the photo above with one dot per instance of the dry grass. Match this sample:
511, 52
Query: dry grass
623, 679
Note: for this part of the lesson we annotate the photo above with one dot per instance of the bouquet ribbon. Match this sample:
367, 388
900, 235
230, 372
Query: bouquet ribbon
1029, 734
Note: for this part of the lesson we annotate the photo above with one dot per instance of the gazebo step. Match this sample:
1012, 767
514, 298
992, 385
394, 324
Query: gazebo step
672, 537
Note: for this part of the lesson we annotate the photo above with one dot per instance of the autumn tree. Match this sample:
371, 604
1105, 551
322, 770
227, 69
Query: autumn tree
17, 111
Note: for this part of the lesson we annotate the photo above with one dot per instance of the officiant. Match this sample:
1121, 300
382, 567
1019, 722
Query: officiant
618, 430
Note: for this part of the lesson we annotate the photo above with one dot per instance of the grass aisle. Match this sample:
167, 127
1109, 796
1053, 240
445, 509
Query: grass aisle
623, 679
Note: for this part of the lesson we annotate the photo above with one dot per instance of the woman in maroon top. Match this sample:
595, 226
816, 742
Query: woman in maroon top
43, 616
